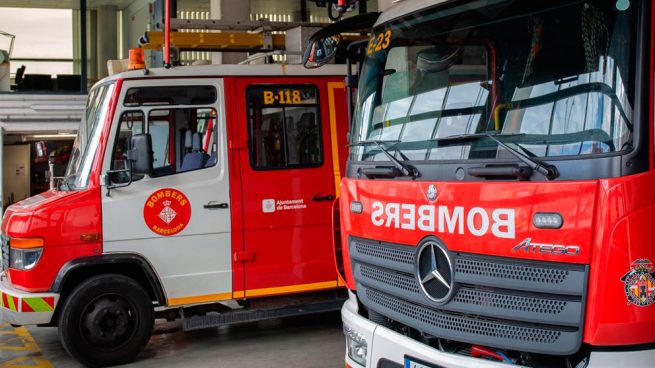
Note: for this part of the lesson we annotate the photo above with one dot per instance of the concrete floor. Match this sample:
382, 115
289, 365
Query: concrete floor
303, 342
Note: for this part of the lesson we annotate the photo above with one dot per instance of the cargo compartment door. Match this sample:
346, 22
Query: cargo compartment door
288, 187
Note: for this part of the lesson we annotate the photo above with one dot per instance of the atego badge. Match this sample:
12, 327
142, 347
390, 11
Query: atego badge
167, 211
640, 283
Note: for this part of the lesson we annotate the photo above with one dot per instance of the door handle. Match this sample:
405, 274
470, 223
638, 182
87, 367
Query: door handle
214, 205
320, 198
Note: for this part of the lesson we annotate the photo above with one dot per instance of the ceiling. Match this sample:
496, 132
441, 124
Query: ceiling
62, 4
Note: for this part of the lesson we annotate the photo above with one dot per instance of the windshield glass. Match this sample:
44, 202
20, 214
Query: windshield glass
88, 138
557, 77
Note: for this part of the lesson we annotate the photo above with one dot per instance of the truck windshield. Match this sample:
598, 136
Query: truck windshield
556, 79
88, 138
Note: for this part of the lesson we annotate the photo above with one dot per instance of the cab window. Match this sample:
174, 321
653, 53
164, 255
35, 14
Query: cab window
183, 139
284, 127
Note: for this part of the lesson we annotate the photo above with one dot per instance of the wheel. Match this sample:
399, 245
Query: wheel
107, 320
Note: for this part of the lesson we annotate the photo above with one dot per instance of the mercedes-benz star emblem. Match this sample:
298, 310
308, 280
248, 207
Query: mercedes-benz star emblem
432, 192
434, 272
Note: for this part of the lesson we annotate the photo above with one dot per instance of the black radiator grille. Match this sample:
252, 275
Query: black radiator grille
506, 303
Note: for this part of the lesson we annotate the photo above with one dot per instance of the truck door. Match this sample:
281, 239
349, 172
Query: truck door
288, 187
178, 217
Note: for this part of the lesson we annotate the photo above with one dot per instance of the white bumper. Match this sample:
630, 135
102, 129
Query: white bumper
21, 308
385, 344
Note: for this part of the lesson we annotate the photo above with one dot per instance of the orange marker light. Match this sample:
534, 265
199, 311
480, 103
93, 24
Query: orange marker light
136, 59
26, 243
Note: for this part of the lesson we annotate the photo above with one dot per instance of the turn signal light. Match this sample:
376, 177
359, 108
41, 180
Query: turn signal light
26, 243
547, 220
356, 207
137, 60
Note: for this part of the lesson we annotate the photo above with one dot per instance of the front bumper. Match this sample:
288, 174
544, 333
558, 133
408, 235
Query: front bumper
21, 308
388, 346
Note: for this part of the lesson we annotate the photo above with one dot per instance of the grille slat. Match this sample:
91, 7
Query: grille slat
387, 255
473, 330
487, 302
499, 302
519, 275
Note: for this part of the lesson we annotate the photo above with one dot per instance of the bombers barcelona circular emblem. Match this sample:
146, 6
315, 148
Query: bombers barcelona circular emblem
640, 283
167, 211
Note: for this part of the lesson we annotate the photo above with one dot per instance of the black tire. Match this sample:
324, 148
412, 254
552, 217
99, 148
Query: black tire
107, 320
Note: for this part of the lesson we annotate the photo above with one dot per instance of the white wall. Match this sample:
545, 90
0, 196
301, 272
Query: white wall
135, 23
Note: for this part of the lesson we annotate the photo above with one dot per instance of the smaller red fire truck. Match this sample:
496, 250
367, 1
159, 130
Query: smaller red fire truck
187, 188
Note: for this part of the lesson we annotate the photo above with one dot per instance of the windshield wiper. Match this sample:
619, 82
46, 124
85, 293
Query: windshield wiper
527, 157
404, 168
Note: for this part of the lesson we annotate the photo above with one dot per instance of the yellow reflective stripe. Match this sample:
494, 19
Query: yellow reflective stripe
334, 134
256, 292
38, 304
238, 294
199, 299
292, 288
10, 300
2, 302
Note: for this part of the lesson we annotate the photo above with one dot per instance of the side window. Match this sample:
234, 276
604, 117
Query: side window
284, 127
131, 122
159, 127
183, 139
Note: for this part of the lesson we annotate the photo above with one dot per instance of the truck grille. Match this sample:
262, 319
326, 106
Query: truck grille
4, 247
505, 303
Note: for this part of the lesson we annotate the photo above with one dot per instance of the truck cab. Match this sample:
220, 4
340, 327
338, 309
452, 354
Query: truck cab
187, 188
497, 200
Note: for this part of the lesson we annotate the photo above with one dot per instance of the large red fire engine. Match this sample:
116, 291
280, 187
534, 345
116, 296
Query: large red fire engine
497, 200
187, 188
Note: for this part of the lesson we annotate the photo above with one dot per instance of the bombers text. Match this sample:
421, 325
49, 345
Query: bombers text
443, 219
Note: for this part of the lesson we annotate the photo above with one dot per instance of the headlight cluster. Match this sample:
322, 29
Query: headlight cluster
24, 254
356, 345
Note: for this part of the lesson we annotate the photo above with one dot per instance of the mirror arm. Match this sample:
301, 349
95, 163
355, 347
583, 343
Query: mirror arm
111, 185
354, 51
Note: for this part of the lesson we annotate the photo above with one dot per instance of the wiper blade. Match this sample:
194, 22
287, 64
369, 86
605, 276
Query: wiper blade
404, 168
472, 137
527, 157
372, 142
547, 170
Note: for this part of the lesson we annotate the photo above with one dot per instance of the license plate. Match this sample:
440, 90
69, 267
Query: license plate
414, 363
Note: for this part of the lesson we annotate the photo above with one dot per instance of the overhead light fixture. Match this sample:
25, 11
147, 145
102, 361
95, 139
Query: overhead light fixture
32, 137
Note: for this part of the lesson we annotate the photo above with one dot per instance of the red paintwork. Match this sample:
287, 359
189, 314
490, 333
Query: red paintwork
235, 144
610, 220
59, 218
651, 112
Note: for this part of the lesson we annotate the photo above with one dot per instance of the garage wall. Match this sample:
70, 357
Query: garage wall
135, 19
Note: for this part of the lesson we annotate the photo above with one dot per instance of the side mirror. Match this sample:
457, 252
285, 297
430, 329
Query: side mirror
139, 159
141, 155
321, 51
322, 46
41, 149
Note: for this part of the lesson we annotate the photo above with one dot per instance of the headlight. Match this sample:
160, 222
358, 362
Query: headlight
356, 346
24, 253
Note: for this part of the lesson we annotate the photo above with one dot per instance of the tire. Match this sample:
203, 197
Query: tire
107, 320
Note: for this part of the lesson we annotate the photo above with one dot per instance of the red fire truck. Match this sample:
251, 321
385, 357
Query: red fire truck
187, 188
497, 199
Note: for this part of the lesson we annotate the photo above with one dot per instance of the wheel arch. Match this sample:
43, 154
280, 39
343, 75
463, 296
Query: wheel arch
130, 265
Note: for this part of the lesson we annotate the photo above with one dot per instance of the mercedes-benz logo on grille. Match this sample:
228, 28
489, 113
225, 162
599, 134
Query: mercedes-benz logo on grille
432, 192
434, 272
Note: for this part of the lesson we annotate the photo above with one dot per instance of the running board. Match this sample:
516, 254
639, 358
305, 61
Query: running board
215, 319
